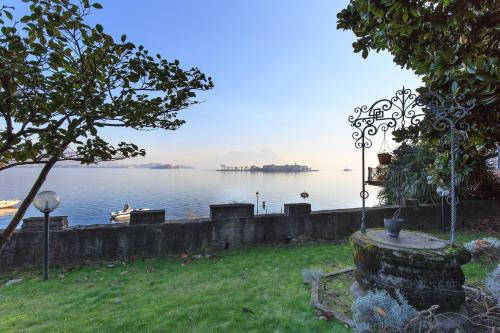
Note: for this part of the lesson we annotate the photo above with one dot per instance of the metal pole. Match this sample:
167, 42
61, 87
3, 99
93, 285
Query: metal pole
442, 214
257, 206
363, 192
46, 249
452, 173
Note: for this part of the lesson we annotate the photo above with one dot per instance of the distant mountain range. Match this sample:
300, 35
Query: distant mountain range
239, 157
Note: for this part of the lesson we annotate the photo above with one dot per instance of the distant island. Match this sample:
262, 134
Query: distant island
114, 165
267, 168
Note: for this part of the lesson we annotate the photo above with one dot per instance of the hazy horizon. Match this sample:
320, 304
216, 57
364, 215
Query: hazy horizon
285, 80
232, 158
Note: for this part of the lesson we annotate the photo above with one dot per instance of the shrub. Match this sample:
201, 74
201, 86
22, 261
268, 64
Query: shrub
492, 284
482, 246
378, 310
407, 174
311, 275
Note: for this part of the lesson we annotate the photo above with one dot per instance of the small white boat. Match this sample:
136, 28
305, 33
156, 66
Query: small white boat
8, 203
124, 214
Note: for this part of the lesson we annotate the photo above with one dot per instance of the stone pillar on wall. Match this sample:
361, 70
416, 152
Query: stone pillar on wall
297, 209
147, 216
227, 211
38, 223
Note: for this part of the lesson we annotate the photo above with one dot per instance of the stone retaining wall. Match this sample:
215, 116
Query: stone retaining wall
106, 242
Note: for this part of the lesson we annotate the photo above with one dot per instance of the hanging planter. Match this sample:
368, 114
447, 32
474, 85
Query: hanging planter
384, 158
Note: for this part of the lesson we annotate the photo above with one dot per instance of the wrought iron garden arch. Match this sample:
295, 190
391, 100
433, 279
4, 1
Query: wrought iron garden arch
445, 113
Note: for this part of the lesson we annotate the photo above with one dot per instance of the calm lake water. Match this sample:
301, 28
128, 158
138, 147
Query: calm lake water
89, 195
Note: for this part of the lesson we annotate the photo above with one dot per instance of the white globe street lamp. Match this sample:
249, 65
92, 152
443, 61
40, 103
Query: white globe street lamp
46, 202
443, 192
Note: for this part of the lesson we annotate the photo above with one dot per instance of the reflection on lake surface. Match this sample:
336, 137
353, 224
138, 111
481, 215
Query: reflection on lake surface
89, 195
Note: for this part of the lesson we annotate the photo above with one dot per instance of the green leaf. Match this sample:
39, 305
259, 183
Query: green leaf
414, 11
123, 38
471, 69
405, 15
97, 5
99, 28
379, 12
454, 87
364, 54
482, 77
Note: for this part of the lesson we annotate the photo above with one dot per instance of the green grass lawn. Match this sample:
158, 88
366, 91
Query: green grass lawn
207, 295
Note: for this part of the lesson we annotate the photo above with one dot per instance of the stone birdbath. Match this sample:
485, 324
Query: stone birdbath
425, 269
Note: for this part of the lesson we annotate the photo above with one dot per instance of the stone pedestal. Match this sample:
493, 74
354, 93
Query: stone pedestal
425, 269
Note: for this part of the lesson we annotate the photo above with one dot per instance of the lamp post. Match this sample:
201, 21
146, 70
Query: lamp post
257, 206
443, 193
46, 202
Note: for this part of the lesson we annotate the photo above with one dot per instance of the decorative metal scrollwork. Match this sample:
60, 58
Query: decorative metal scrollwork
383, 115
448, 116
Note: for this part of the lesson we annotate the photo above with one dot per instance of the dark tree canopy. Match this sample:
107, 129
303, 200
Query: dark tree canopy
62, 81
452, 44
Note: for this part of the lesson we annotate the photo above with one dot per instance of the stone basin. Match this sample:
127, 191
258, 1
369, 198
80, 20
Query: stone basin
425, 269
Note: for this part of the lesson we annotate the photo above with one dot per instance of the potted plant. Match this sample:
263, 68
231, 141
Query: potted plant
394, 224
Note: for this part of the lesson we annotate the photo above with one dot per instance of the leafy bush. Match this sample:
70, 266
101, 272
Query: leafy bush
378, 310
407, 174
478, 246
492, 284
311, 275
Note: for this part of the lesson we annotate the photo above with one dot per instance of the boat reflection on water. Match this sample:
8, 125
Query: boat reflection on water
7, 211
7, 207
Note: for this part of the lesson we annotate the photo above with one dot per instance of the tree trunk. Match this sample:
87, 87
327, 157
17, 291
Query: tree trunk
9, 231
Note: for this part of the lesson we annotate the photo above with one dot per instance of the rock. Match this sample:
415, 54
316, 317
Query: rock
356, 290
247, 310
13, 281
118, 300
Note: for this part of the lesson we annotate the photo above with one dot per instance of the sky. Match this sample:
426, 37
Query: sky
285, 79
